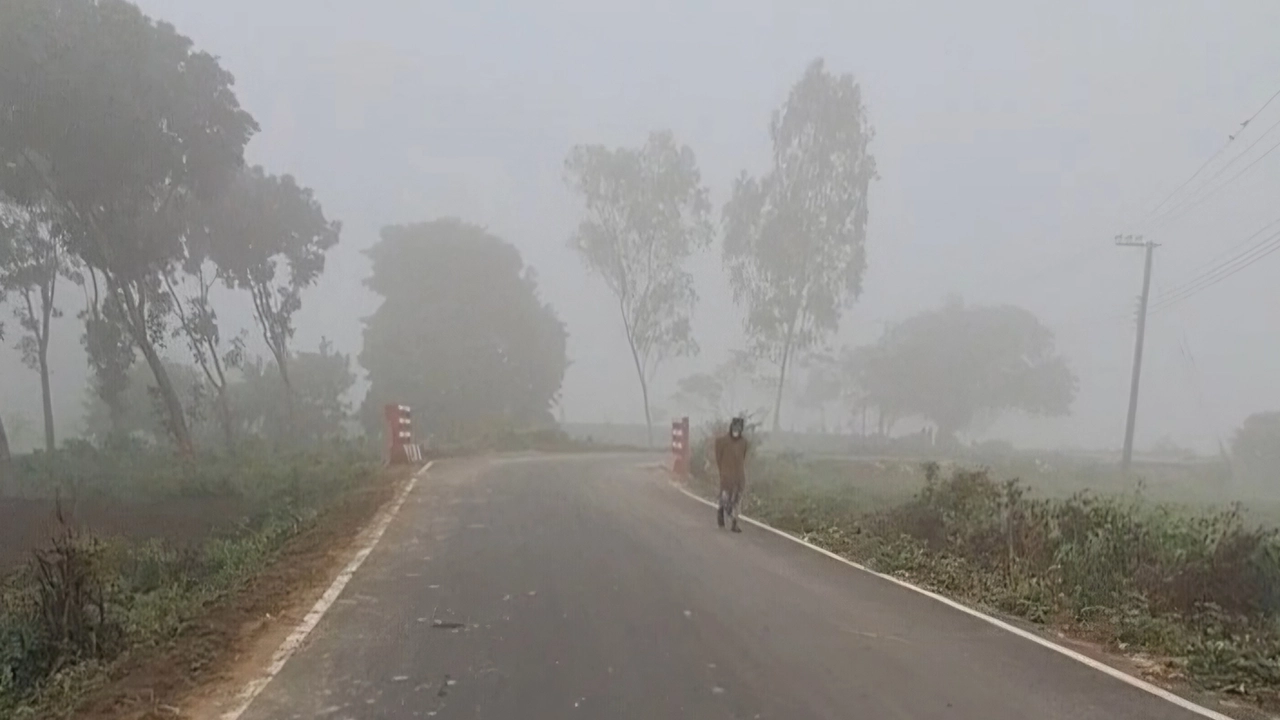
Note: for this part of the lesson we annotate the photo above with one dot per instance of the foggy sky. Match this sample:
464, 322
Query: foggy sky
1014, 139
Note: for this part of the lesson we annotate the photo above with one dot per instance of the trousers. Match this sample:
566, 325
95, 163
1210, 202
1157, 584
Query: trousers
729, 500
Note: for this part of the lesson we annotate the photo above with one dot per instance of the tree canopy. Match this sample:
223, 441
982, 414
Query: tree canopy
956, 363
116, 121
647, 212
461, 335
268, 236
795, 238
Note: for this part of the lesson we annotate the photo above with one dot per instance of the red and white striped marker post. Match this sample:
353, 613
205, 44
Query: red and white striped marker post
401, 450
680, 446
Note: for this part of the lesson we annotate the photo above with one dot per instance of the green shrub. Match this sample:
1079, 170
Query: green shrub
79, 602
1203, 587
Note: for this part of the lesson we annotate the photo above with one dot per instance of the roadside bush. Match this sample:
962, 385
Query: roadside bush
1203, 588
1098, 551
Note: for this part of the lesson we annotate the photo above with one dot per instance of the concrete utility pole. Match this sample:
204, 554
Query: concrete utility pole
1136, 241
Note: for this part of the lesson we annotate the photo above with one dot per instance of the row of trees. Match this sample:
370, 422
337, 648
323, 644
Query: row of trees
151, 210
956, 367
794, 238
122, 171
794, 250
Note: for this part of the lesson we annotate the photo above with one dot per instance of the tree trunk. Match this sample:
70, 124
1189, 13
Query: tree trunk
173, 406
782, 381
6, 461
282, 365
46, 396
644, 384
644, 391
42, 357
782, 372
224, 419
648, 418
136, 321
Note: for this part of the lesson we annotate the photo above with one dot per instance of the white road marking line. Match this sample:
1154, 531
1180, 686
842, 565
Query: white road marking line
1101, 667
371, 535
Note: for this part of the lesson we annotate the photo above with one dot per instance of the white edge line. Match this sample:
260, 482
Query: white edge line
369, 540
1101, 667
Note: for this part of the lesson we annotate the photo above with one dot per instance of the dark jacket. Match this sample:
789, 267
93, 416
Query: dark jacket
731, 459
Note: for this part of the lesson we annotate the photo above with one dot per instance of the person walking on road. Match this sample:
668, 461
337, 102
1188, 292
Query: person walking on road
731, 460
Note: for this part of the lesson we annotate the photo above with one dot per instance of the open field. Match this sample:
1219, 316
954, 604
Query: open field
876, 484
120, 564
28, 524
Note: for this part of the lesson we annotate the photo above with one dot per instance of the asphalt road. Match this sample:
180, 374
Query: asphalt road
588, 587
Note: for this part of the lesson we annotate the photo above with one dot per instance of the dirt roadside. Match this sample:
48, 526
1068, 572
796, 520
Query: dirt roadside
188, 676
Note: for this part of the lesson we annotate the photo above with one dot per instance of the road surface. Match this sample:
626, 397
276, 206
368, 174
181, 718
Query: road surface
589, 587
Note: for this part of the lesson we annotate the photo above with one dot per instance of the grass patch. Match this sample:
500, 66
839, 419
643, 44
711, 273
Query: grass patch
1199, 587
84, 604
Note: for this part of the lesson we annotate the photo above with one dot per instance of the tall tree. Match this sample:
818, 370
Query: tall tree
461, 336
647, 213
198, 325
29, 274
268, 236
795, 238
166, 129
957, 364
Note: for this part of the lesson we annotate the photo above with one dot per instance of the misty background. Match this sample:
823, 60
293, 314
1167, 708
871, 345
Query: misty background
1014, 140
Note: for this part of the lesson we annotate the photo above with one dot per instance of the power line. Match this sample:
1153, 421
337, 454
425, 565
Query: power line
1209, 264
1213, 157
1216, 271
1204, 283
1197, 202
1259, 110
1219, 273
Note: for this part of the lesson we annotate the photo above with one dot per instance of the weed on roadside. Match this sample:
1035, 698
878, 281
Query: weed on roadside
1200, 589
